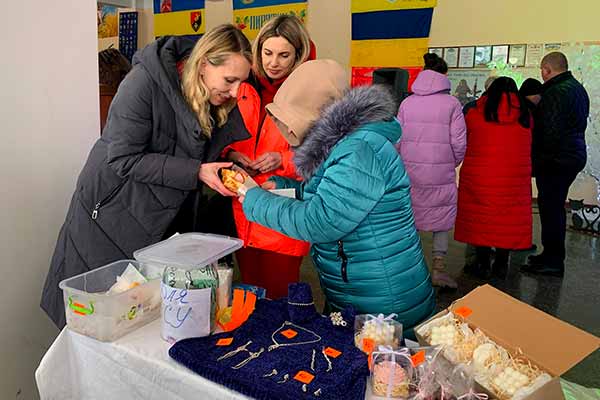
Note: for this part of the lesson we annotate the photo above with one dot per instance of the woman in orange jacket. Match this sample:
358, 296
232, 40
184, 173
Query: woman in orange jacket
269, 259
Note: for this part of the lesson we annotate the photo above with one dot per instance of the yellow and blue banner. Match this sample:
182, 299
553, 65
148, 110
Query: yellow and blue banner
389, 33
251, 15
179, 17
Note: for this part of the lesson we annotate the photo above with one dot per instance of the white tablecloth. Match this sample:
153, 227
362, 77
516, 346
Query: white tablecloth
136, 366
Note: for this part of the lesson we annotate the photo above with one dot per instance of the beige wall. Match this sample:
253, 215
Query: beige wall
49, 120
468, 22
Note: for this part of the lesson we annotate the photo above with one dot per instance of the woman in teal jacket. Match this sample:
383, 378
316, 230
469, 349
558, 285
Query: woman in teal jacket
354, 202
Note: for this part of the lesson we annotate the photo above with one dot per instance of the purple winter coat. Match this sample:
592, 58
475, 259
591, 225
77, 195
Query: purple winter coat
433, 144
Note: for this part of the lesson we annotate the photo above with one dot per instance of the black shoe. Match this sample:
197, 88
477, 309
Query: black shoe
478, 270
537, 259
544, 269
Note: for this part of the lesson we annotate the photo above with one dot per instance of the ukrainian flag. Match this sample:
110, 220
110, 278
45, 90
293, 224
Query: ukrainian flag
390, 33
250, 15
179, 17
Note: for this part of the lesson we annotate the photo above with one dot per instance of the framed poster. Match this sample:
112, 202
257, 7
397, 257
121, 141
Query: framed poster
437, 50
550, 47
466, 57
451, 56
535, 53
516, 55
467, 86
500, 53
483, 55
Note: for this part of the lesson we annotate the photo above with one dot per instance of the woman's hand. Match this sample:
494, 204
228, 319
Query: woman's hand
267, 162
239, 158
209, 174
269, 185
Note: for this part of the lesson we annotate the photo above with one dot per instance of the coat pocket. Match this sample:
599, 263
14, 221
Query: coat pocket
107, 198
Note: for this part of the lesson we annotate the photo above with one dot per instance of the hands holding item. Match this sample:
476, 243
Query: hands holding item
267, 162
232, 179
209, 174
243, 161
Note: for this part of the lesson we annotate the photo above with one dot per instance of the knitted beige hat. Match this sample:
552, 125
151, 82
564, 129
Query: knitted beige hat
299, 100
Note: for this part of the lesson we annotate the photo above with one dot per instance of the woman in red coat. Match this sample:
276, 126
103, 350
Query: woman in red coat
494, 192
269, 259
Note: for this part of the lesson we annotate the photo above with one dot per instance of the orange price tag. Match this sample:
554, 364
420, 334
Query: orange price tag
368, 345
333, 353
289, 333
224, 341
463, 311
304, 377
418, 358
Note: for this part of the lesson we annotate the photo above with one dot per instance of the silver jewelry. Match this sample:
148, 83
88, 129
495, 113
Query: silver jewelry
251, 357
337, 319
312, 361
276, 344
312, 303
272, 373
234, 352
317, 392
329, 366
285, 378
304, 389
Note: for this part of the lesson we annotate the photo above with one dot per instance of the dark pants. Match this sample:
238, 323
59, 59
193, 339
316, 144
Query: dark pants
552, 195
484, 255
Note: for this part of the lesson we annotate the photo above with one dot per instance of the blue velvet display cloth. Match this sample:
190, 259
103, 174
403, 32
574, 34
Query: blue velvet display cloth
345, 379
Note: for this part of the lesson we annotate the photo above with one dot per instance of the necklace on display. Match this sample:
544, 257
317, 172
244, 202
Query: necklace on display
277, 345
234, 352
251, 357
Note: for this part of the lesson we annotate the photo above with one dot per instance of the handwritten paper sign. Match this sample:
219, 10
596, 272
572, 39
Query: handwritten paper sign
185, 313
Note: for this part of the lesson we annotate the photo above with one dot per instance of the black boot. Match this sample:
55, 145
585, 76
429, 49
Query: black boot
536, 259
556, 269
481, 268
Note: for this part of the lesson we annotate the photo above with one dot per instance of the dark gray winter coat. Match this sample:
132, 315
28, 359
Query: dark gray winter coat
139, 173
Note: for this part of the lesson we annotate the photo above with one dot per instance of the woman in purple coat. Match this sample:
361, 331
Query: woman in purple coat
433, 144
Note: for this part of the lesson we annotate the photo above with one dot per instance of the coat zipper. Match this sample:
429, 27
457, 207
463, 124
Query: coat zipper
342, 255
106, 199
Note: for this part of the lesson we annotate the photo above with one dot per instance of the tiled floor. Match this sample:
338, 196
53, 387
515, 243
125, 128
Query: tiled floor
574, 298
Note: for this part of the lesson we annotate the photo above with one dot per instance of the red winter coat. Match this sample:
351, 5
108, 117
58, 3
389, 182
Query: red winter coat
494, 192
251, 106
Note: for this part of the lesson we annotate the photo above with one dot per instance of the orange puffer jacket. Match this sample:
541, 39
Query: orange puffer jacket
269, 140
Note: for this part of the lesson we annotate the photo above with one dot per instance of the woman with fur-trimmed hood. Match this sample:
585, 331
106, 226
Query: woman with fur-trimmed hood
354, 202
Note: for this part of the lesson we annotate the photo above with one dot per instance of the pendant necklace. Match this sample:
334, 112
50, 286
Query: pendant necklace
277, 345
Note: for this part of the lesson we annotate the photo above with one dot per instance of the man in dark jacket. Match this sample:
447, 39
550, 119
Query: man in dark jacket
559, 154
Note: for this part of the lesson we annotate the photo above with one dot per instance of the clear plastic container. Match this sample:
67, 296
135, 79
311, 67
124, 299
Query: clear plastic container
372, 331
190, 281
92, 312
187, 251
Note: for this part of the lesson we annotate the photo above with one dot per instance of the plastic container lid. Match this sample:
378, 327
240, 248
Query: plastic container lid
189, 250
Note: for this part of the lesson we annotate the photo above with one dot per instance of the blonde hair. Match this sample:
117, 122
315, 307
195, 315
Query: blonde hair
214, 47
288, 27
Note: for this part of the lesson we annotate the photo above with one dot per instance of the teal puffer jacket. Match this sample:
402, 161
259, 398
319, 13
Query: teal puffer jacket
355, 210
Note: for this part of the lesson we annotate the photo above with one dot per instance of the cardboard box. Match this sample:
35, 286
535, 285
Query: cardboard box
549, 343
